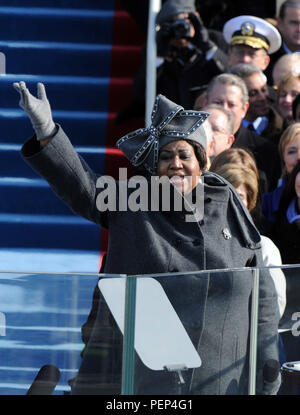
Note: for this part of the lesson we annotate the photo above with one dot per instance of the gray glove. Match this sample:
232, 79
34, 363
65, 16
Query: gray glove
38, 109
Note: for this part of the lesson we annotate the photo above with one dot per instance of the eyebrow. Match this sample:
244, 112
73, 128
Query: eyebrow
291, 147
174, 151
258, 89
219, 129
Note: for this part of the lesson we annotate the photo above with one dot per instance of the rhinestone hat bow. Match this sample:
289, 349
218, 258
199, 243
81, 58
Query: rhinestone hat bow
170, 122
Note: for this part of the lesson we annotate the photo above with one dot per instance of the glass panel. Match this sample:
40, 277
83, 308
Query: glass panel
193, 328
214, 309
289, 333
41, 316
193, 333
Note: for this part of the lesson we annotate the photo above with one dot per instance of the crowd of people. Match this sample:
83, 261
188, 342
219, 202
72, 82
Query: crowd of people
228, 111
245, 71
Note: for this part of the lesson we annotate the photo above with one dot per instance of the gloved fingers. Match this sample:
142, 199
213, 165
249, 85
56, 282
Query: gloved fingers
24, 92
16, 86
26, 96
23, 87
41, 91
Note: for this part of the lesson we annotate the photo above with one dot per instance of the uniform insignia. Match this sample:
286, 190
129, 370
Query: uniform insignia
247, 29
226, 233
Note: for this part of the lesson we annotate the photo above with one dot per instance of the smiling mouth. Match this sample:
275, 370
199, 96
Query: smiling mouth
177, 179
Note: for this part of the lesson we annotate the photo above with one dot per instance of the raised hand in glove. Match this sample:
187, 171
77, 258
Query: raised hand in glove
38, 109
201, 39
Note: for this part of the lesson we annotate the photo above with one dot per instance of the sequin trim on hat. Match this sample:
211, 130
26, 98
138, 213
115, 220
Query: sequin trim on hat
139, 144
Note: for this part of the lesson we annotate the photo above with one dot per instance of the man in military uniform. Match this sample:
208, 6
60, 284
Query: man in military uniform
251, 40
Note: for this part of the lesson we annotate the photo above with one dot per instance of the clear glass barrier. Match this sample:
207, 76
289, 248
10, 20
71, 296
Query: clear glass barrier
231, 318
191, 333
41, 316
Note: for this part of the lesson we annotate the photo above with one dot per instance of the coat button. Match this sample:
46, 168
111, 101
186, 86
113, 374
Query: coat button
196, 242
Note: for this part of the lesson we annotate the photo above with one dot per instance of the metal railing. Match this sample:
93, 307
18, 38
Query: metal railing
154, 7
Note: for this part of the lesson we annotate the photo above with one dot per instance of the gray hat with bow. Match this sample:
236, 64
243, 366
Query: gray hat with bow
170, 122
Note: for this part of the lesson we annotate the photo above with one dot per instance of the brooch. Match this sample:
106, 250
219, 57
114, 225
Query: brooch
226, 233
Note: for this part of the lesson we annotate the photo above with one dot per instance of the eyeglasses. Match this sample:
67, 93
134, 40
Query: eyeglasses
251, 52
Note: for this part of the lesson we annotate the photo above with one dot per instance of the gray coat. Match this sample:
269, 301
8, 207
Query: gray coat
213, 308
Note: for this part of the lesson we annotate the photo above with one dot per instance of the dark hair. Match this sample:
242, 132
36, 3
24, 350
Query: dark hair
286, 4
295, 104
289, 191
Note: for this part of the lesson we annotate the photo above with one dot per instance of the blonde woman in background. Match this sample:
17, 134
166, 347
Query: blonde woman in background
289, 151
288, 89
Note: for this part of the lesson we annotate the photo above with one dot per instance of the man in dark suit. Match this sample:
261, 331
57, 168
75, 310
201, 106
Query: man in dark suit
231, 92
262, 115
288, 24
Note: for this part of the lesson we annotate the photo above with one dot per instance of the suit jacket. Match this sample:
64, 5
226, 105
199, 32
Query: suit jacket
214, 308
287, 237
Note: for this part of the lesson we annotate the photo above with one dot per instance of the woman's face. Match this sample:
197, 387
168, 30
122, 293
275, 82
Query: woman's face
286, 97
242, 192
177, 161
291, 153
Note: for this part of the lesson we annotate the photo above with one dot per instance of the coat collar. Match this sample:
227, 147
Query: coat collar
224, 191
